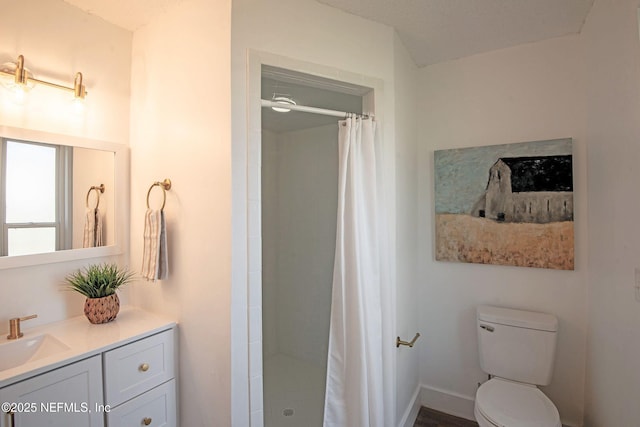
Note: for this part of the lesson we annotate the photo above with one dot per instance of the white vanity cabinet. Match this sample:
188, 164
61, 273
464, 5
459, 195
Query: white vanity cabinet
139, 383
129, 382
65, 397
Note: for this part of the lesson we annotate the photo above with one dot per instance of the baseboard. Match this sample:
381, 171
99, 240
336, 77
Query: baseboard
447, 401
411, 413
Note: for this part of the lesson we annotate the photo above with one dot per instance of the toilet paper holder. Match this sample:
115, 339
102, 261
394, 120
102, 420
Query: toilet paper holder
400, 342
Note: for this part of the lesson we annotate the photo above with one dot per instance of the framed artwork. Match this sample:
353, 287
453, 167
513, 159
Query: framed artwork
509, 204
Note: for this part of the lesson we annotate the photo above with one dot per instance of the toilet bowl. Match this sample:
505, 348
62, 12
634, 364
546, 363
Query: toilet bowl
504, 403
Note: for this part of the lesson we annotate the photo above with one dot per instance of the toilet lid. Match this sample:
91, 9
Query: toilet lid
509, 404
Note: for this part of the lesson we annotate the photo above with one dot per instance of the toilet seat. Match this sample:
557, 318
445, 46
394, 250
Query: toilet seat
506, 403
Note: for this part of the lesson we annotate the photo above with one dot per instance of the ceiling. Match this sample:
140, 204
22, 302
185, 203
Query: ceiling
432, 30
440, 30
128, 14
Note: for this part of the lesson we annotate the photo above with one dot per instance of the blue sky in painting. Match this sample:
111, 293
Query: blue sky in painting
461, 174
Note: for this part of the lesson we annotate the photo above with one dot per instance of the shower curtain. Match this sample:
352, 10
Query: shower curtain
355, 389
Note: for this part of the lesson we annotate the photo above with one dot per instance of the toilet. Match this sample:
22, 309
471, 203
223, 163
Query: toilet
517, 349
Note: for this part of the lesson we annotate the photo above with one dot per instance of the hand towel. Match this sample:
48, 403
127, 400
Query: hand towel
98, 229
163, 261
154, 258
92, 233
88, 236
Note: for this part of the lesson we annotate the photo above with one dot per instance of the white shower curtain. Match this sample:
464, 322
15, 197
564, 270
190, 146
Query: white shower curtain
355, 395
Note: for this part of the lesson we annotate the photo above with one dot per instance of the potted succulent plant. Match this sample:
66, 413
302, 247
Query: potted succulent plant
99, 283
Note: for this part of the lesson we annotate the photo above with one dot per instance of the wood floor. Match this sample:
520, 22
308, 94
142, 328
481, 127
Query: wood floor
432, 418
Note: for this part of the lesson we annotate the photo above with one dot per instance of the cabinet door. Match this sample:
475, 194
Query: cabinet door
70, 396
155, 408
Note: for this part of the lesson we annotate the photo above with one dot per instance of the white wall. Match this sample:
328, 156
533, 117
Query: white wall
407, 220
54, 50
527, 93
582, 86
58, 40
613, 136
330, 39
180, 129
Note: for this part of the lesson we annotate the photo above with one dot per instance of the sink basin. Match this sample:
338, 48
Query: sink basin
27, 349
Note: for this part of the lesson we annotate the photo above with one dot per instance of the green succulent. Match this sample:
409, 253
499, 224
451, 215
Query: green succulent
99, 280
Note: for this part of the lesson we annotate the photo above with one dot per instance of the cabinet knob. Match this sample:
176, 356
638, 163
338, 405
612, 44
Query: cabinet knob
146, 421
144, 368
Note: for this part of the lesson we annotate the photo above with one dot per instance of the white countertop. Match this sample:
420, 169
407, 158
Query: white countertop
85, 339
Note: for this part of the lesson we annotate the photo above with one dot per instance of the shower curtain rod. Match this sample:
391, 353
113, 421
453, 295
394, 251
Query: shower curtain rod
303, 108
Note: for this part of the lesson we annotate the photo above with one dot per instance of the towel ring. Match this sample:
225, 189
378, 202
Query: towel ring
99, 189
165, 185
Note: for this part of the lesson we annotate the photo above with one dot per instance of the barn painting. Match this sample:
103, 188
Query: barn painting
508, 204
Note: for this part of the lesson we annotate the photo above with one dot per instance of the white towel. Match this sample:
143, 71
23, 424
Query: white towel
155, 265
98, 229
92, 235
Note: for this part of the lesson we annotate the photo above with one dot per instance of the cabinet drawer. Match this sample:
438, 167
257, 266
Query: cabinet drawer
137, 367
155, 408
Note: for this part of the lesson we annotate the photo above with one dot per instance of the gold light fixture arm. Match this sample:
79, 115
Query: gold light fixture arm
79, 90
21, 77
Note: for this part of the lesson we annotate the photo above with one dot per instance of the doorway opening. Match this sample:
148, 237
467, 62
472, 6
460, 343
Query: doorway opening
299, 197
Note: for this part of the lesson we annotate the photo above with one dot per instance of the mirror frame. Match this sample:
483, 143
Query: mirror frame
121, 199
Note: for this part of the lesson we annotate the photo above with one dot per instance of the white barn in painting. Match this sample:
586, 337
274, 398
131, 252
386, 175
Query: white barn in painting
528, 189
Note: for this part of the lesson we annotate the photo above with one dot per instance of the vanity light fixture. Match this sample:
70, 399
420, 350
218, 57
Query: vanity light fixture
284, 100
22, 80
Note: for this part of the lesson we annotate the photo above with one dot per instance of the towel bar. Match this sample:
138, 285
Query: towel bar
165, 185
99, 189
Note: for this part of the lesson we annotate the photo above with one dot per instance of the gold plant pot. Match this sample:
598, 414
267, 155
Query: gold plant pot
102, 310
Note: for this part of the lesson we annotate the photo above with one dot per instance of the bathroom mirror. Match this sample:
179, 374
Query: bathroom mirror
61, 197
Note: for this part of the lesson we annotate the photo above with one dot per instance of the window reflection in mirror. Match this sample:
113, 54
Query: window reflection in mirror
46, 201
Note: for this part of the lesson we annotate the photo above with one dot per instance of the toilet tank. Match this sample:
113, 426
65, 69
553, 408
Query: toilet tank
517, 345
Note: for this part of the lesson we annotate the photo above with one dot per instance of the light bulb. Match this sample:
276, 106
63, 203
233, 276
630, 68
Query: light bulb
18, 94
17, 83
284, 100
77, 106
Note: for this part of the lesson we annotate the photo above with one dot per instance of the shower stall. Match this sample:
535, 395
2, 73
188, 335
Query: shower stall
299, 184
299, 180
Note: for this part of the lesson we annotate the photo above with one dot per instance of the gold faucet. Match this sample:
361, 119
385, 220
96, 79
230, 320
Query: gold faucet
14, 326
